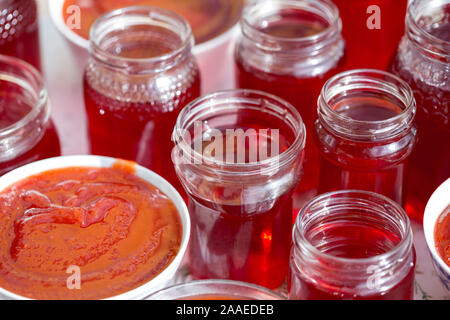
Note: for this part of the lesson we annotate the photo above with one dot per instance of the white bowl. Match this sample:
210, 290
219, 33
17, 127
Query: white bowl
438, 202
214, 57
162, 280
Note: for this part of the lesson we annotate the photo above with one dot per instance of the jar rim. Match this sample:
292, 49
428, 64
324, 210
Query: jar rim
326, 7
240, 95
33, 83
406, 240
379, 129
152, 15
417, 32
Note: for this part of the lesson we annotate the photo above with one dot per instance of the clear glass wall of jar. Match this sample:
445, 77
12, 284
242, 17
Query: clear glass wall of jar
27, 133
239, 156
423, 60
290, 48
19, 30
365, 133
140, 74
352, 245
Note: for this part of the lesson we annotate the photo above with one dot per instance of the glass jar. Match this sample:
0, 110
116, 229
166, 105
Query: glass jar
239, 156
19, 30
215, 290
352, 245
365, 133
423, 60
372, 30
140, 74
290, 48
27, 133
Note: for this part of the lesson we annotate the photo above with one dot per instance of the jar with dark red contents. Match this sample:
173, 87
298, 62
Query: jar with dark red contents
290, 48
423, 60
239, 156
27, 133
365, 133
140, 74
19, 30
352, 245
372, 30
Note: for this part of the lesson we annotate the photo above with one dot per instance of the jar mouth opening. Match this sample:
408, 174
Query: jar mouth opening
215, 288
29, 81
419, 20
254, 100
367, 81
120, 19
257, 13
393, 214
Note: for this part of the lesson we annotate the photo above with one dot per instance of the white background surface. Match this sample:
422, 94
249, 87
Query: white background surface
64, 79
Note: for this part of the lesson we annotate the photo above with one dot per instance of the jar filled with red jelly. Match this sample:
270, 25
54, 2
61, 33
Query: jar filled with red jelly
352, 245
27, 133
140, 74
423, 60
372, 30
19, 30
290, 48
365, 133
239, 156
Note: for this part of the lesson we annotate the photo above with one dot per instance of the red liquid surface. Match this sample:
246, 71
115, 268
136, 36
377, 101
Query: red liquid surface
354, 241
374, 48
301, 91
14, 109
19, 31
442, 236
140, 130
233, 240
430, 161
347, 164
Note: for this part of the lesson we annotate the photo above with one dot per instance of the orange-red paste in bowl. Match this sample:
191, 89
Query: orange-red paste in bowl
119, 230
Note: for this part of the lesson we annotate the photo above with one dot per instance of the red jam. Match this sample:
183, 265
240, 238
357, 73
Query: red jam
365, 134
26, 132
423, 63
19, 30
352, 241
442, 236
118, 229
292, 66
136, 107
208, 18
239, 241
372, 47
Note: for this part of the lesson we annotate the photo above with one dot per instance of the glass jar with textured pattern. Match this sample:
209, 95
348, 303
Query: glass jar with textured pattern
140, 74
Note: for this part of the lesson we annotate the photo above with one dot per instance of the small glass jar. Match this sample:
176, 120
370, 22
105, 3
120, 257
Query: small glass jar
290, 48
372, 30
215, 290
352, 245
19, 30
27, 133
239, 156
423, 60
365, 133
140, 74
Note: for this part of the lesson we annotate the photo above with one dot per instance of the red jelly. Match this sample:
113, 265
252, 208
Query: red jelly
290, 48
442, 236
27, 133
365, 133
19, 30
239, 156
352, 245
372, 30
423, 61
140, 74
